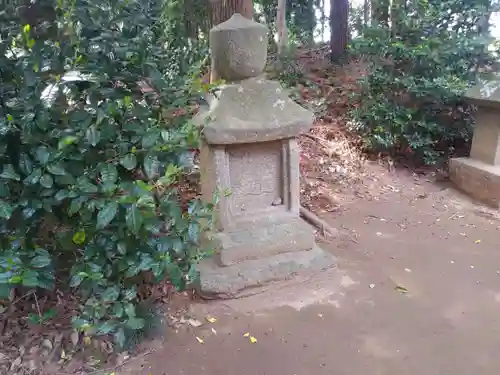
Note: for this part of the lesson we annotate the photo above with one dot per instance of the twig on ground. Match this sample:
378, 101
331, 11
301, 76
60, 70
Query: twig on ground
38, 307
22, 297
224, 296
315, 138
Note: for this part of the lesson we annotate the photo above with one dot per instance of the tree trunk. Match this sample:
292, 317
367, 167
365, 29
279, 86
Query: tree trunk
398, 11
281, 27
222, 10
339, 27
366, 12
380, 12
483, 30
323, 20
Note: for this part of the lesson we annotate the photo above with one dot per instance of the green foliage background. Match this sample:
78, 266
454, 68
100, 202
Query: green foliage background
95, 122
412, 102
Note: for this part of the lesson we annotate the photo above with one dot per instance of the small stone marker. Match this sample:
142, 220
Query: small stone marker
250, 158
479, 175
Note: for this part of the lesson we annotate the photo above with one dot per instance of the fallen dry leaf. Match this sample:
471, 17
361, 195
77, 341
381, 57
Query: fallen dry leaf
211, 319
253, 340
194, 323
200, 340
246, 334
401, 289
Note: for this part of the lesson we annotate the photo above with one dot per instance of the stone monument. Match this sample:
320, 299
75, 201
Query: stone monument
250, 159
479, 174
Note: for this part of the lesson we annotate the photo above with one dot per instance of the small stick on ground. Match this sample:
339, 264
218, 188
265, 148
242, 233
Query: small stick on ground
321, 141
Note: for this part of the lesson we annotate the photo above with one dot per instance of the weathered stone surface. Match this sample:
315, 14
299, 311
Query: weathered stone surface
262, 239
486, 93
231, 280
255, 182
478, 179
254, 110
239, 48
486, 139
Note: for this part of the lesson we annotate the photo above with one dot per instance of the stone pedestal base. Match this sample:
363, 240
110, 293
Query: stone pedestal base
255, 240
478, 179
251, 273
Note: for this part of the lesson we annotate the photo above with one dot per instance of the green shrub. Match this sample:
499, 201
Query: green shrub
411, 102
94, 123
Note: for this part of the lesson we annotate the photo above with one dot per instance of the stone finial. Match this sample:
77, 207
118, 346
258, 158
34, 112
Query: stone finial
239, 48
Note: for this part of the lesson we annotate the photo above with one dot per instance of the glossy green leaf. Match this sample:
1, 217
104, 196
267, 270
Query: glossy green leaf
86, 186
135, 323
67, 141
75, 206
42, 155
34, 177
106, 215
107, 327
151, 166
30, 279
9, 173
134, 219
93, 135
77, 279
129, 161
111, 294
5, 290
46, 181
41, 261
25, 164
130, 310
79, 237
56, 169
109, 174
6, 209
150, 140
119, 337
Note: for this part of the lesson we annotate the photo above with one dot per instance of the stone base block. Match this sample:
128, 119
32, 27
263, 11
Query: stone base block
478, 179
231, 280
258, 240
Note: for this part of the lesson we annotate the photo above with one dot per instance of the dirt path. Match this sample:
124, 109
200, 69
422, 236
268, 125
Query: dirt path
354, 320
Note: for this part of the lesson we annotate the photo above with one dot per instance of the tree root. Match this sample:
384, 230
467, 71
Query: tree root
322, 225
317, 222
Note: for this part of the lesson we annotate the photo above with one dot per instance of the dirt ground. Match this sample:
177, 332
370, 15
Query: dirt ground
416, 291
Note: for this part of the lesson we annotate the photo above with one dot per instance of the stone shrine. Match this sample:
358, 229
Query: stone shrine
479, 175
250, 158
